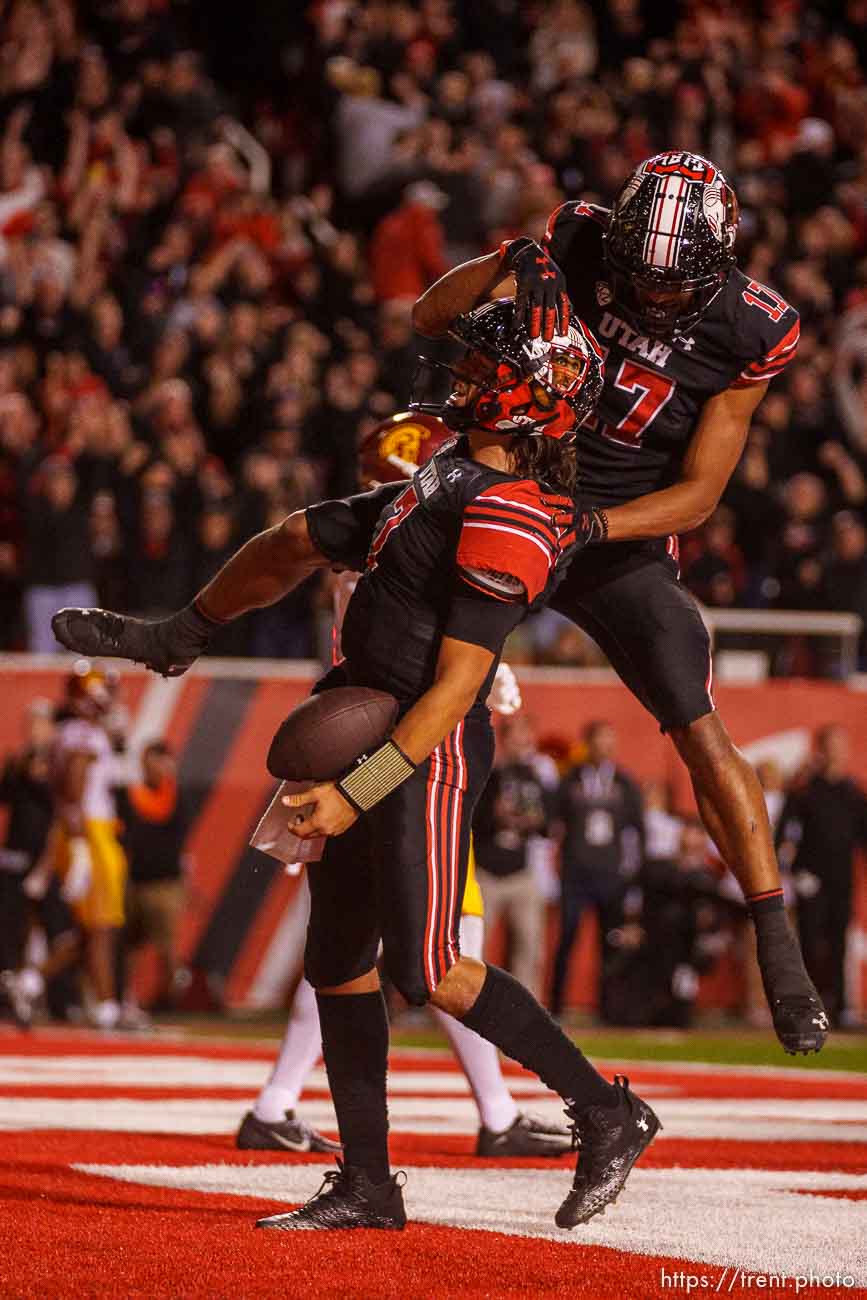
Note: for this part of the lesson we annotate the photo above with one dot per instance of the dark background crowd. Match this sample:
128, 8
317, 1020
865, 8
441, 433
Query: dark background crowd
214, 220
567, 829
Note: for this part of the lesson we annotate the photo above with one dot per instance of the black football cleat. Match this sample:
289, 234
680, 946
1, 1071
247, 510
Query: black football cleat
97, 633
800, 1022
528, 1136
290, 1134
346, 1199
611, 1139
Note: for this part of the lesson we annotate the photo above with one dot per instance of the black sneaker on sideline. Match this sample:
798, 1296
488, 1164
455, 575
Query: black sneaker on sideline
346, 1199
291, 1134
528, 1136
611, 1138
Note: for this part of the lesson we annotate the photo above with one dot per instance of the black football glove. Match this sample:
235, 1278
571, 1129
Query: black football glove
167, 645
576, 526
541, 297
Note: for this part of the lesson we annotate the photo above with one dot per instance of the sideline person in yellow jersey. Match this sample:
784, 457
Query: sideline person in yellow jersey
84, 849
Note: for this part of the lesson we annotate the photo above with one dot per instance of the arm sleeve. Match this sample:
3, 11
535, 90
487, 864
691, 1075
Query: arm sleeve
482, 619
343, 530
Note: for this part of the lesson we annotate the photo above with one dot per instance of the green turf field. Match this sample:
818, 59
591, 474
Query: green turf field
844, 1051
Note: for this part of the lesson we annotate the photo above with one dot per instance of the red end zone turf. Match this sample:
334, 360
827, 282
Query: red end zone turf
134, 1211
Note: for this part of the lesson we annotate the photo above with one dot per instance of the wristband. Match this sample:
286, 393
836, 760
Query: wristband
374, 776
511, 248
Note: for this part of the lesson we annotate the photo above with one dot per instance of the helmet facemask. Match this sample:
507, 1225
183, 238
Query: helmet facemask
669, 244
662, 308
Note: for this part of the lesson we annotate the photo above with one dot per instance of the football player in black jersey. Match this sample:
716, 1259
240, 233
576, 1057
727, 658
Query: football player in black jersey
451, 563
690, 344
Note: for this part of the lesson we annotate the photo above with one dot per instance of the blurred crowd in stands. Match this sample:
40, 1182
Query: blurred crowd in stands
205, 283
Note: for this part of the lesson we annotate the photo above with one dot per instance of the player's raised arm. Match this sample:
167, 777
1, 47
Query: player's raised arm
519, 268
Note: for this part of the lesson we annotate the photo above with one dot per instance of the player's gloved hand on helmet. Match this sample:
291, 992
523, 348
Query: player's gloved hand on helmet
505, 694
167, 645
541, 297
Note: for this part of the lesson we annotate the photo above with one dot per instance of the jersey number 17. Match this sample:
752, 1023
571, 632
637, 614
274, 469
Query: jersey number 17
651, 391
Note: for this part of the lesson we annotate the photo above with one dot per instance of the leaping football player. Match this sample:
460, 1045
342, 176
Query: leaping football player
451, 564
392, 452
691, 344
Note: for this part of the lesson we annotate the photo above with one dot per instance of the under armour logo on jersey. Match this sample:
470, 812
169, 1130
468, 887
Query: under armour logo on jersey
821, 1021
686, 344
643, 1124
454, 474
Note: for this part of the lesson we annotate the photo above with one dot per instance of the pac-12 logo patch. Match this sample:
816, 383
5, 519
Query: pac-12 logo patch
603, 293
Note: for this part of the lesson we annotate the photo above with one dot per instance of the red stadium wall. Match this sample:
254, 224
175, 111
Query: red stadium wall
243, 924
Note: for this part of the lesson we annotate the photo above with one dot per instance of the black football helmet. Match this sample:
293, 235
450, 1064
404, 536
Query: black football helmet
668, 247
509, 383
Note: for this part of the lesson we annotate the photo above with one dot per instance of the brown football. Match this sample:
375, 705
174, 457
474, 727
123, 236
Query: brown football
328, 732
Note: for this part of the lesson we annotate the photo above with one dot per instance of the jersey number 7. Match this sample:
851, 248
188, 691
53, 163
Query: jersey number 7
653, 390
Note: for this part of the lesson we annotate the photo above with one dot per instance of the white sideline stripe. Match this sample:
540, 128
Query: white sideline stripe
432, 1114
141, 1068
203, 1072
159, 1071
756, 1219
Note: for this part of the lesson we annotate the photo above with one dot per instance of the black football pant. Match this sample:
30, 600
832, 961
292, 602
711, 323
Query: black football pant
398, 874
629, 598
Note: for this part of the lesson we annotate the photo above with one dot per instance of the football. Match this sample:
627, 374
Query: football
328, 732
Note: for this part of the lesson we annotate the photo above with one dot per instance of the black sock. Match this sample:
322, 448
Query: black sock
778, 950
355, 1048
509, 1016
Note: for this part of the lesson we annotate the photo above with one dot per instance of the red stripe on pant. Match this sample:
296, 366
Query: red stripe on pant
443, 818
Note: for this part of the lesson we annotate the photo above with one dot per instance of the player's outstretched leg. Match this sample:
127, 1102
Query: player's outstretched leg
272, 1124
732, 807
504, 1131
611, 1125
360, 1193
